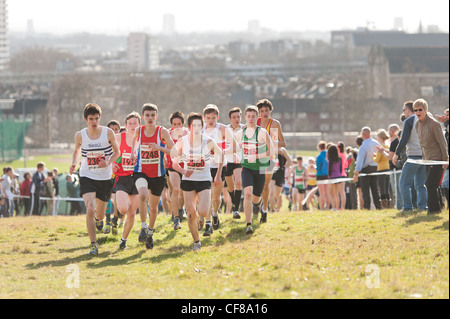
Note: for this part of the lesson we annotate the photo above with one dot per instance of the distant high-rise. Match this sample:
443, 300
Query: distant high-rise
254, 27
30, 28
4, 41
398, 24
143, 54
168, 25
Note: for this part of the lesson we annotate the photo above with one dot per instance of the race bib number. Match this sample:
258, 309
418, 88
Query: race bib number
149, 155
196, 162
94, 158
250, 152
127, 165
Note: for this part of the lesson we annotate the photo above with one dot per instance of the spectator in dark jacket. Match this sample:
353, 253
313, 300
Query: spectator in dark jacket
36, 187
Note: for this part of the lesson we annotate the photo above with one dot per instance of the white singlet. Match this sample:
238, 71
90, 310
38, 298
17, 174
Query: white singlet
198, 159
91, 153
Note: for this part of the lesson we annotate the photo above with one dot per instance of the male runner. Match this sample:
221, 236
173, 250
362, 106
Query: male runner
195, 150
276, 185
149, 172
273, 127
257, 147
220, 134
98, 148
126, 199
233, 174
176, 131
115, 126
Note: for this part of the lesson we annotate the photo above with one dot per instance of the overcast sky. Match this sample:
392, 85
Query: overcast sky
123, 16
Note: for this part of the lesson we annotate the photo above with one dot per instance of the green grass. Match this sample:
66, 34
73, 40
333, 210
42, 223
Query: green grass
59, 161
317, 254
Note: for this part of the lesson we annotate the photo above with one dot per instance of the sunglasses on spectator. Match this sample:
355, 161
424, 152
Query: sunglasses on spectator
418, 110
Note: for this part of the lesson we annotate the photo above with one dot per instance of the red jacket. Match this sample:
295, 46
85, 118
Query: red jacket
25, 187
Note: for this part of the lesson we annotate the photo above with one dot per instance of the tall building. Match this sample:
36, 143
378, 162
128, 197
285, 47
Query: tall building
254, 27
168, 25
398, 24
4, 41
143, 54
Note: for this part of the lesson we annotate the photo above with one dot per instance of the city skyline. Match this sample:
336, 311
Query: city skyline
59, 17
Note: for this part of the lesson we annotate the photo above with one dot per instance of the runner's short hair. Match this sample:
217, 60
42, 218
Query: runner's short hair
211, 108
131, 115
234, 110
264, 103
409, 105
176, 115
92, 109
251, 108
194, 116
149, 107
113, 122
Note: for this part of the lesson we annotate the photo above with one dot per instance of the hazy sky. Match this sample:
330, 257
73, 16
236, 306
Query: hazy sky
123, 16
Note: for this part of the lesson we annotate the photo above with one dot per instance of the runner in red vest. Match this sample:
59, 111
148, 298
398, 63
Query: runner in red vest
126, 192
272, 126
151, 142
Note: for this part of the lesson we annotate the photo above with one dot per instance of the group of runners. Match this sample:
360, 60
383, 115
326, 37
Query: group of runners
196, 154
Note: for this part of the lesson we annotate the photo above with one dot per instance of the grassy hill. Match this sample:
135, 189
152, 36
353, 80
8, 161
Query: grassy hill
315, 254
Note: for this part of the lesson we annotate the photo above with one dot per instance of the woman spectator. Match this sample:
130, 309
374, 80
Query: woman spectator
382, 159
25, 191
434, 148
322, 174
335, 172
342, 195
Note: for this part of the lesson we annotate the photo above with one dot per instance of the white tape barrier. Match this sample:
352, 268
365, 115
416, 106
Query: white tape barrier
426, 162
49, 198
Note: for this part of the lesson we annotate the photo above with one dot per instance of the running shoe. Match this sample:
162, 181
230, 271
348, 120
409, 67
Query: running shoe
197, 246
176, 224
149, 240
263, 217
99, 224
142, 235
249, 230
94, 249
236, 215
123, 244
107, 228
208, 230
216, 222
114, 226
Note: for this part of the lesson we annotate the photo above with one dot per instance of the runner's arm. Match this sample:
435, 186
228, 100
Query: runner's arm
76, 152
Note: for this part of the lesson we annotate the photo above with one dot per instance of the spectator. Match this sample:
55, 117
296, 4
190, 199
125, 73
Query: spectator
73, 190
25, 191
413, 175
49, 192
394, 130
383, 166
37, 186
6, 185
365, 164
434, 148
56, 186
322, 174
335, 172
444, 119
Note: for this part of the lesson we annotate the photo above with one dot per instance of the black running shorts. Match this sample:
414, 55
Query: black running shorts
253, 178
102, 189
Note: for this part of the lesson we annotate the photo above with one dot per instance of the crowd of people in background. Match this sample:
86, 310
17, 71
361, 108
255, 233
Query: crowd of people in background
340, 177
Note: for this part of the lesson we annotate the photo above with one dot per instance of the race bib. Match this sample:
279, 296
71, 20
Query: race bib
195, 162
149, 155
127, 165
93, 159
250, 152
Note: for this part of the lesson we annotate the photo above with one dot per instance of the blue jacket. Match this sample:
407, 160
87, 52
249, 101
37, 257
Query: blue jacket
322, 164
